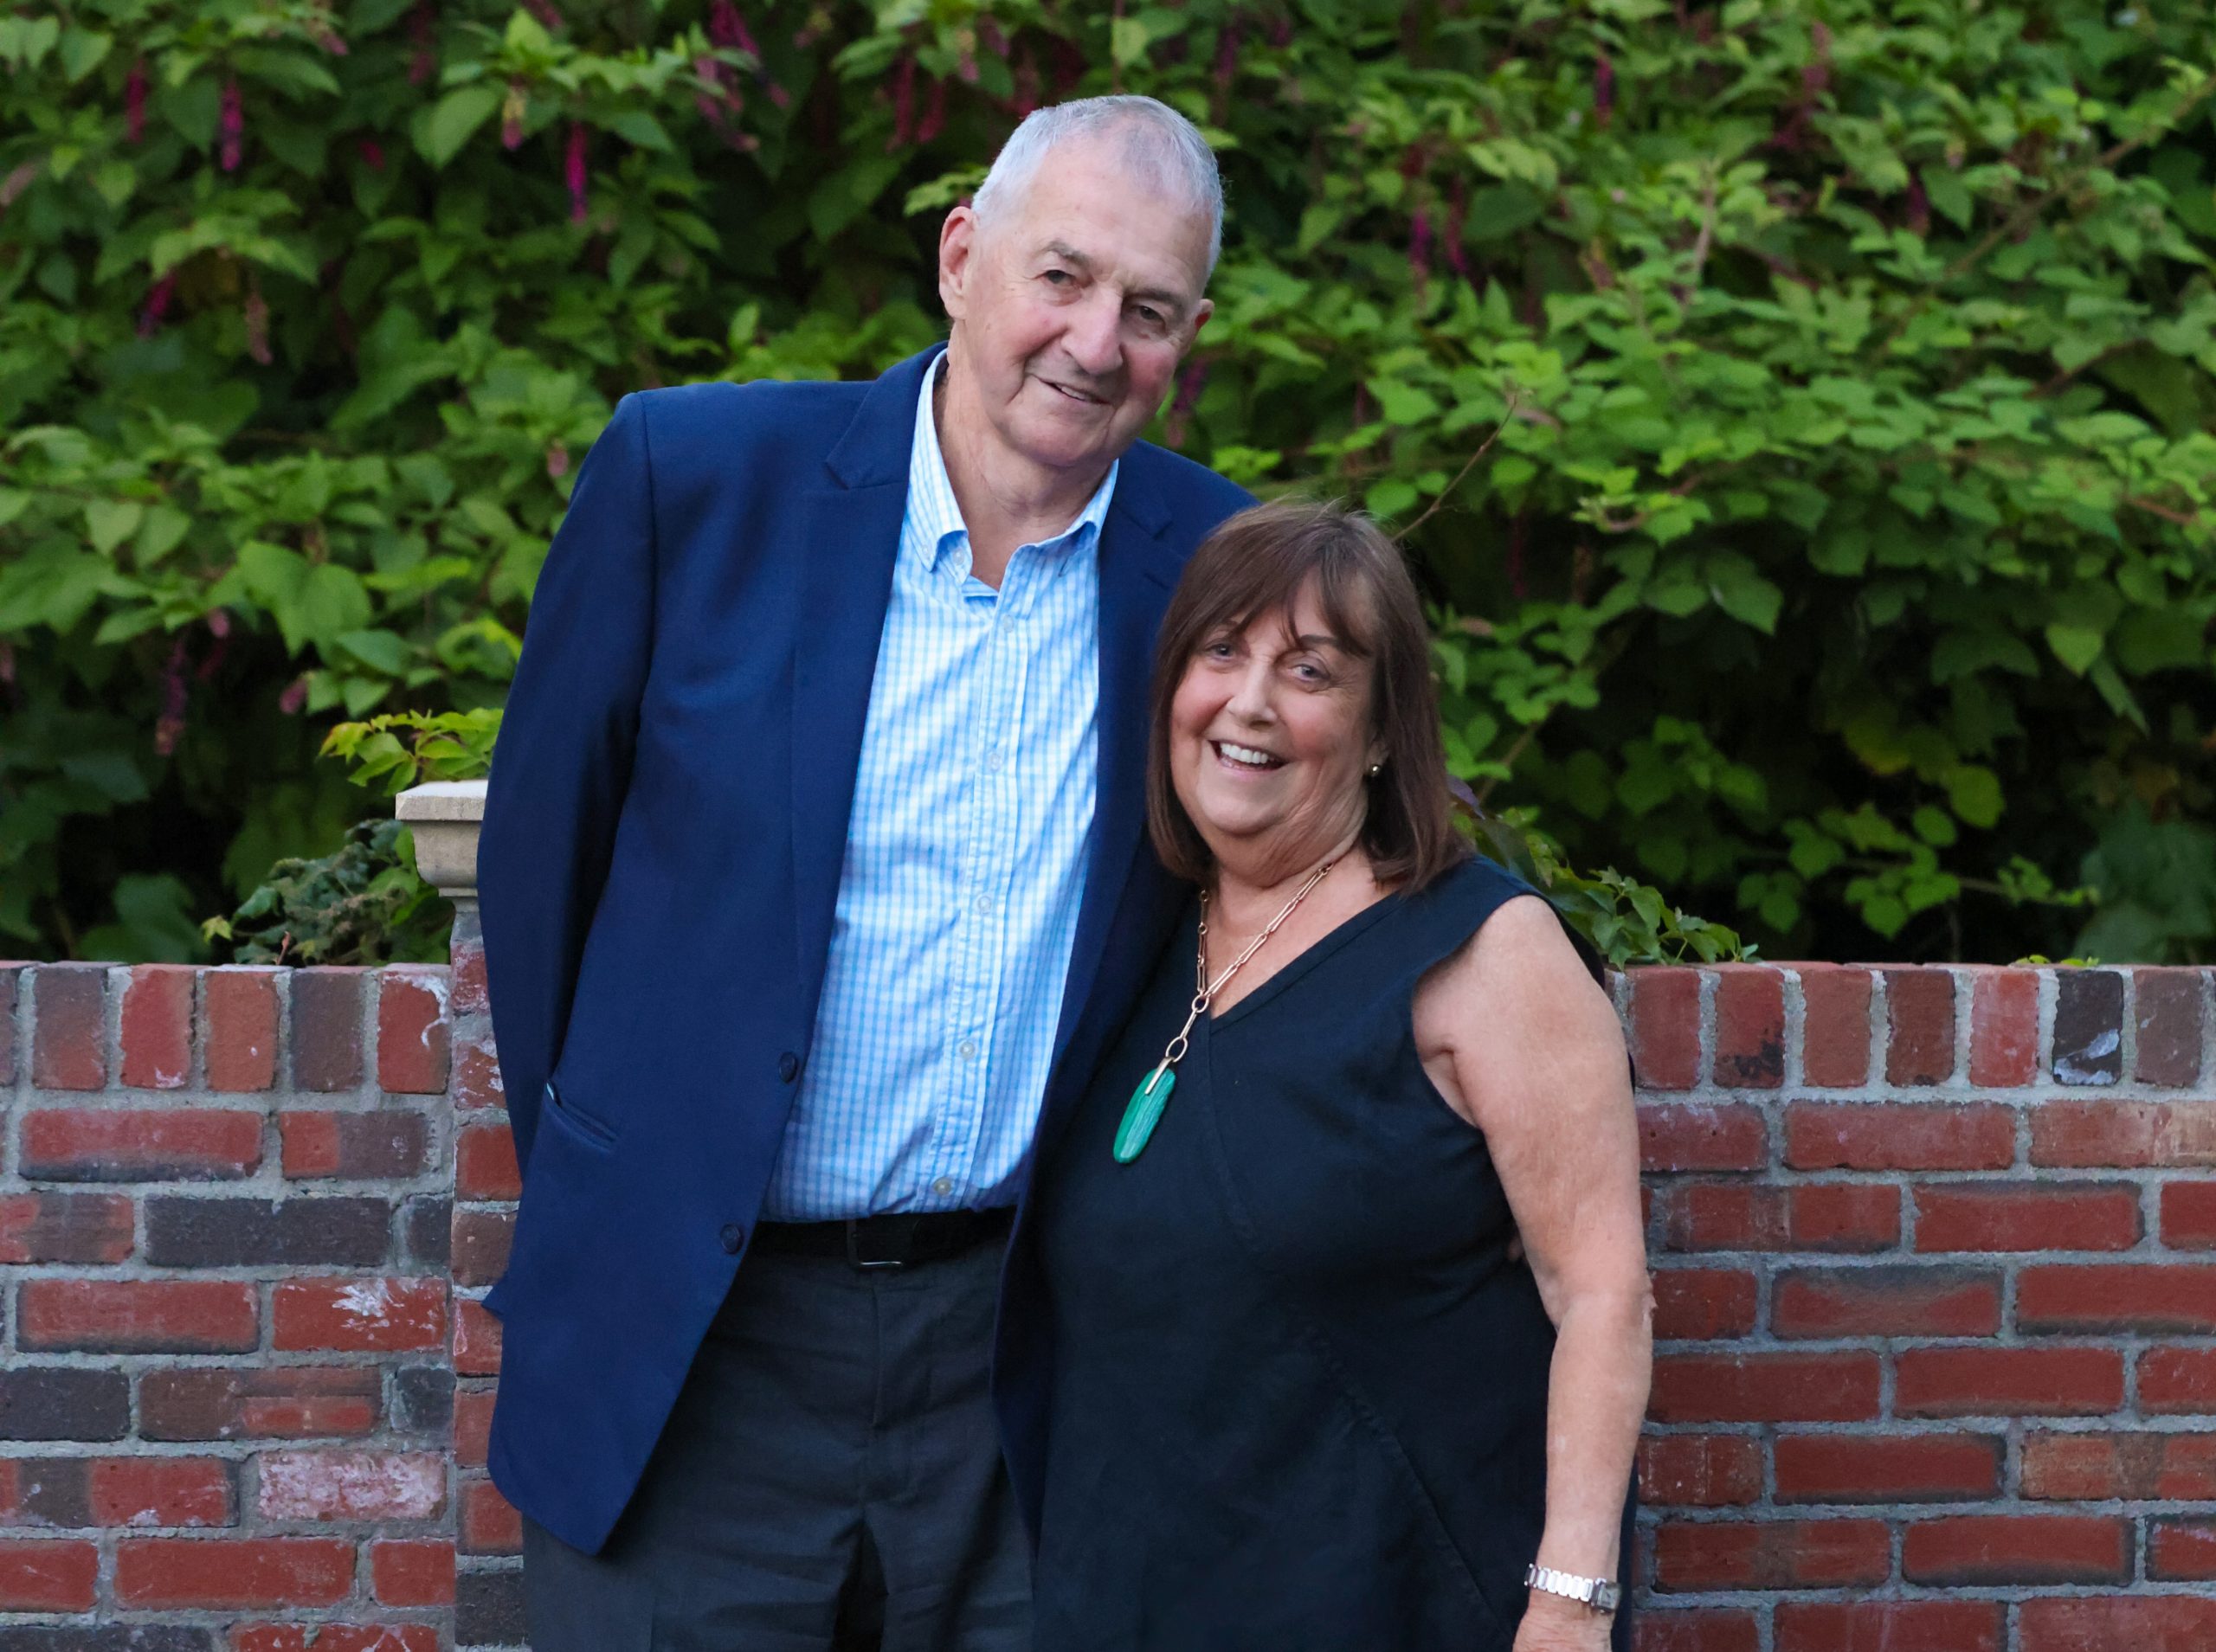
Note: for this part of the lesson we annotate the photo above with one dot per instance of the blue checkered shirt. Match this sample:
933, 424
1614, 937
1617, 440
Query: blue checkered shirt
965, 870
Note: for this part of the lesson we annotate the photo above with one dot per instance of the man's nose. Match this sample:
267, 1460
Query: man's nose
1095, 339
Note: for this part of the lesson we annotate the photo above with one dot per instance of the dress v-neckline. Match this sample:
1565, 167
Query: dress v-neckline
1306, 959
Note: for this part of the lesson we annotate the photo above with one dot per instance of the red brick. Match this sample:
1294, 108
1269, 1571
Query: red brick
473, 1425
1698, 1135
2174, 1381
2088, 1035
1770, 1554
1700, 1470
2008, 1382
1890, 1626
2093, 1468
477, 1074
490, 1524
2189, 1215
1919, 1026
2168, 1018
274, 1402
2118, 1624
1812, 1215
138, 1315
2131, 1135
49, 1576
388, 1144
485, 1163
240, 1004
11, 975
1909, 1301
412, 1573
476, 1341
65, 1227
151, 1573
412, 1048
2003, 1028
1713, 1631
468, 978
2182, 1551
2118, 1296
1665, 1027
478, 1246
161, 1491
1989, 1215
351, 1486
1835, 1026
1886, 1468
157, 1026
1768, 1387
1821, 1136
327, 1028
1702, 1304
69, 1026
1749, 1026
359, 1315
334, 1637
137, 1144
1996, 1549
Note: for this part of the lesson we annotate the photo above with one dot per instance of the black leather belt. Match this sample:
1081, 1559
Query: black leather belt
887, 1241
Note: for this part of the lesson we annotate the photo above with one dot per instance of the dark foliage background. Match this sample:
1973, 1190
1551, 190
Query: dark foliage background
1842, 565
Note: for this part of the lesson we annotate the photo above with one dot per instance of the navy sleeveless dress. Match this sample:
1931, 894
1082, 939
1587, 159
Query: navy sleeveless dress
1298, 1389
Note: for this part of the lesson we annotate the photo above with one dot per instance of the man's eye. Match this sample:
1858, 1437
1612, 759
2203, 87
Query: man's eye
1059, 276
1152, 317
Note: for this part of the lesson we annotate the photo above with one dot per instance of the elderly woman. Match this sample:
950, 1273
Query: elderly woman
1342, 1250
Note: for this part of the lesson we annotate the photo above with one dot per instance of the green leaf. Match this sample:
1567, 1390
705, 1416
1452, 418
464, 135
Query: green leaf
108, 522
441, 130
1127, 40
1974, 793
637, 126
2076, 647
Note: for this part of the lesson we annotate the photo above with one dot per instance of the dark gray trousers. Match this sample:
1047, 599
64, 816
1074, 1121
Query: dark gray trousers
830, 1481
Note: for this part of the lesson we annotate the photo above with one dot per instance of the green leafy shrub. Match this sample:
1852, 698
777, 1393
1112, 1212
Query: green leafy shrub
1843, 565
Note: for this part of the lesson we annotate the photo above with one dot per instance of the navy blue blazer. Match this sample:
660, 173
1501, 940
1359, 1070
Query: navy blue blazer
661, 859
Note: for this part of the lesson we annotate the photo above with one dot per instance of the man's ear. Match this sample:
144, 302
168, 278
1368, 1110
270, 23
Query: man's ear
1200, 314
958, 256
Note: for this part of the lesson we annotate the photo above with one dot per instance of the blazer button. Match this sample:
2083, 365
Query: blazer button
733, 1237
789, 1066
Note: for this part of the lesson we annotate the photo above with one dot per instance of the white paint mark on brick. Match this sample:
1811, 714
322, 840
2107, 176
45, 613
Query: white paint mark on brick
372, 1299
351, 1486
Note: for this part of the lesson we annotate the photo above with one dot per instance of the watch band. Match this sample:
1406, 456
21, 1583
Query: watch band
1599, 1593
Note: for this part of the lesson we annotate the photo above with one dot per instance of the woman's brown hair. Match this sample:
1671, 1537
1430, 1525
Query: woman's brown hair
1256, 563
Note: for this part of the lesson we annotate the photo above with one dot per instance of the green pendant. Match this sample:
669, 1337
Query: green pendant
1143, 1114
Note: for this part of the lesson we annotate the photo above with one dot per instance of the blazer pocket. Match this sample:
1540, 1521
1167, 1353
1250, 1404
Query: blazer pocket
593, 1132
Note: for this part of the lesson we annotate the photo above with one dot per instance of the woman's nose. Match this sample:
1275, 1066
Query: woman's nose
1250, 694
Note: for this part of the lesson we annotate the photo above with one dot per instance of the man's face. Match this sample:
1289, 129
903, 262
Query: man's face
1074, 307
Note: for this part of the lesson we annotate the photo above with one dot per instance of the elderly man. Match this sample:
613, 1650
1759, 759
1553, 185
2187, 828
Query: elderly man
813, 869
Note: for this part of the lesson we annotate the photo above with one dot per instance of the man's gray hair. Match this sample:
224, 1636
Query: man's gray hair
1157, 141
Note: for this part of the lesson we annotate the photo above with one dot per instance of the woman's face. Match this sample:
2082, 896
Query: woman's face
1270, 741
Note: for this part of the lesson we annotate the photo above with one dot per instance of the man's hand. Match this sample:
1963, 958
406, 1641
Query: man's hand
1553, 1624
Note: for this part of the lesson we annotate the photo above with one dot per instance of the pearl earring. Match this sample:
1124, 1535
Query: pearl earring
1376, 769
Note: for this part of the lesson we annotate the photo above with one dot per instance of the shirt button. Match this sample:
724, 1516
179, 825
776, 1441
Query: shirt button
984, 903
967, 1049
942, 1186
993, 759
733, 1239
787, 1067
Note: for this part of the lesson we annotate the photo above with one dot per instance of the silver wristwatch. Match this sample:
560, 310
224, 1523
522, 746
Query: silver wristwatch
1597, 1593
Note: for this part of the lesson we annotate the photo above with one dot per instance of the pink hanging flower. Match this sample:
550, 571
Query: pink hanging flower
1226, 55
231, 128
257, 326
903, 104
558, 461
512, 113
1604, 91
218, 621
158, 306
934, 120
726, 29
993, 37
1458, 210
422, 29
134, 102
1026, 83
372, 153
1919, 207
544, 11
573, 171
177, 696
295, 696
1420, 248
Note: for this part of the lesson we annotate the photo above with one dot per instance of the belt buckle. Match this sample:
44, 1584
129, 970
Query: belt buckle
854, 1256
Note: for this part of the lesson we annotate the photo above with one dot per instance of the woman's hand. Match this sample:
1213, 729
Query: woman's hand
1553, 1624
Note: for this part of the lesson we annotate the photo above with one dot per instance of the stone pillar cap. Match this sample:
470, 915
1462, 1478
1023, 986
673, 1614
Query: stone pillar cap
443, 816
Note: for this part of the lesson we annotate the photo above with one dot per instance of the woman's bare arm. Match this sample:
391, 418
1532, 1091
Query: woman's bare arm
1523, 1044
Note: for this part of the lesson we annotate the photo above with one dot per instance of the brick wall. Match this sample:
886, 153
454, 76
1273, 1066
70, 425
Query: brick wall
1935, 1253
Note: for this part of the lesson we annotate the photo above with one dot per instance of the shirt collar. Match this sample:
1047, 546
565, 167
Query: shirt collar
932, 509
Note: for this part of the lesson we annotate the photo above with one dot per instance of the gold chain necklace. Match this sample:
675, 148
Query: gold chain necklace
1145, 1110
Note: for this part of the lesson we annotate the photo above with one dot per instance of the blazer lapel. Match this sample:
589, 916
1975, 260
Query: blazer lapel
850, 529
1138, 571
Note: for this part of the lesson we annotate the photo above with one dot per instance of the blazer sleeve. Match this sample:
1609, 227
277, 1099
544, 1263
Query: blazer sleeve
562, 764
